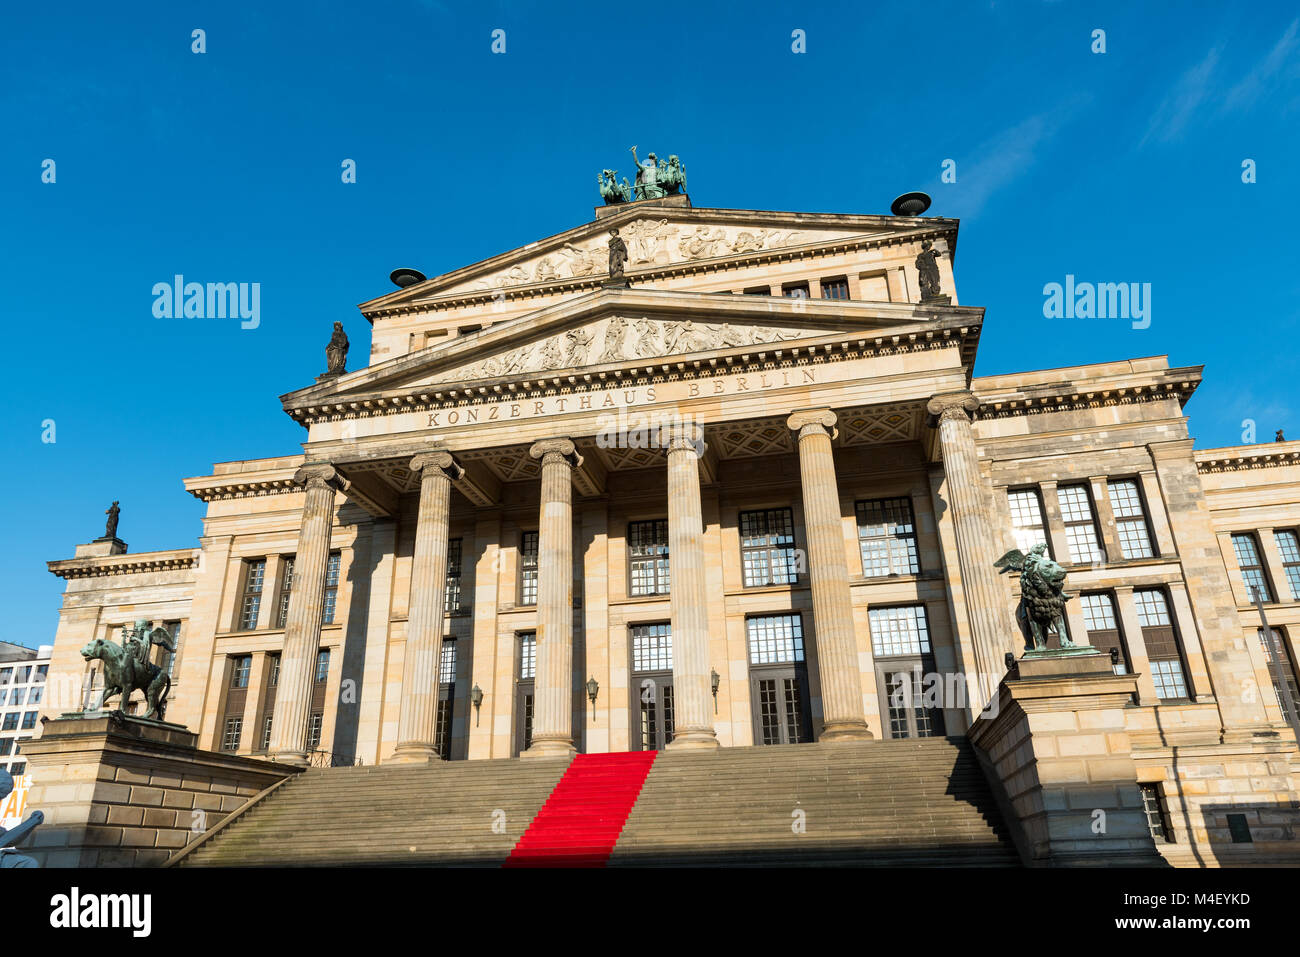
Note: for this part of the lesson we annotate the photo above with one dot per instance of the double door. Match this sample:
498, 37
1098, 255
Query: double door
779, 701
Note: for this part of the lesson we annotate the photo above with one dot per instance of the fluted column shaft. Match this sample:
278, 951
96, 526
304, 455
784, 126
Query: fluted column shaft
993, 628
553, 684
828, 573
418, 713
692, 685
306, 609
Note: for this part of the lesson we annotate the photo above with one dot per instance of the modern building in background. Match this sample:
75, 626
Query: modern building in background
750, 493
24, 673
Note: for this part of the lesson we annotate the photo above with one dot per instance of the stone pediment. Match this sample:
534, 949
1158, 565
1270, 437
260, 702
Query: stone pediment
656, 237
615, 329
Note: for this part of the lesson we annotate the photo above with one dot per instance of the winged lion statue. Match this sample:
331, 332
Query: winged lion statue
1042, 593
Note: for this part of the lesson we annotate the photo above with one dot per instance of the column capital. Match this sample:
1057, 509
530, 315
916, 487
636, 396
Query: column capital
428, 463
564, 448
953, 405
320, 475
685, 437
813, 422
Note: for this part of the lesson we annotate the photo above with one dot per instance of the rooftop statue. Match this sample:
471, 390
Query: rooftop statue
110, 527
617, 255
127, 667
336, 353
10, 856
654, 180
1042, 594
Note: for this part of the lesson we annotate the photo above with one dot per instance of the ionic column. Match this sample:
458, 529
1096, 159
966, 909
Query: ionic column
418, 714
828, 572
689, 599
553, 694
306, 608
993, 629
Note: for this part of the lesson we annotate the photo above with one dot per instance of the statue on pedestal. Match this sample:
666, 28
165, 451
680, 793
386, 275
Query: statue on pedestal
336, 353
110, 527
654, 179
10, 856
927, 268
1042, 594
617, 254
127, 667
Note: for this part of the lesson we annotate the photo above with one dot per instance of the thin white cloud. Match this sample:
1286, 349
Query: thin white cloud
1003, 159
1177, 109
1279, 65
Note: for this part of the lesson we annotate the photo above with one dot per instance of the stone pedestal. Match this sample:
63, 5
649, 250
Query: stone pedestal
118, 791
101, 548
1055, 737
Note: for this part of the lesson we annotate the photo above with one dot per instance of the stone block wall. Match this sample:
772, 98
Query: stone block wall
125, 793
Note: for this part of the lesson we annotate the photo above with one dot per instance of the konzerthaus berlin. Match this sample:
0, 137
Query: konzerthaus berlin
746, 494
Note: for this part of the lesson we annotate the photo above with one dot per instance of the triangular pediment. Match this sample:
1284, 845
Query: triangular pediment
657, 238
614, 329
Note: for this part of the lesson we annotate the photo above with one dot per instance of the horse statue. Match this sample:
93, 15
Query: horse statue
673, 176
1042, 594
610, 191
127, 667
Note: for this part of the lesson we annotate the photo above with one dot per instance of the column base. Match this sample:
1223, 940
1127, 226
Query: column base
697, 740
846, 731
296, 758
550, 748
414, 754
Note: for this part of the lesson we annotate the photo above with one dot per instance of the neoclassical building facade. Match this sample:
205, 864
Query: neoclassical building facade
749, 493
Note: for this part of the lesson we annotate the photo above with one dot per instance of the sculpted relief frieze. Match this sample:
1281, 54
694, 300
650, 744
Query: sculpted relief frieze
616, 339
649, 243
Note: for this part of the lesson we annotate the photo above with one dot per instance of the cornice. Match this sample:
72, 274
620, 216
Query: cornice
914, 231
1244, 457
770, 356
114, 565
1073, 399
217, 488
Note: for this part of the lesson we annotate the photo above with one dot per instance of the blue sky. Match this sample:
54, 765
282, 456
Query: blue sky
1123, 166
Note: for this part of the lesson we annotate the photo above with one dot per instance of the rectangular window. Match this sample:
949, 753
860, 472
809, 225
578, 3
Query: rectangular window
528, 543
174, 629
527, 655
1153, 804
1161, 641
774, 639
230, 737
899, 631
1103, 627
5, 675
758, 291
647, 548
1277, 649
887, 537
29, 721
19, 697
652, 647
1288, 543
239, 669
322, 665
767, 550
1252, 566
42, 671
1080, 524
10, 722
275, 670
254, 571
452, 602
1027, 526
1130, 519
314, 724
286, 589
331, 588
266, 732
34, 695
837, 288
7, 746
795, 290
447, 662
24, 675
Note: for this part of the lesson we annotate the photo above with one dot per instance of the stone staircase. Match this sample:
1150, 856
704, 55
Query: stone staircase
880, 803
921, 802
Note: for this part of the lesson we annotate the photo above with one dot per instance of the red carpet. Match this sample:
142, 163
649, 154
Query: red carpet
580, 822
